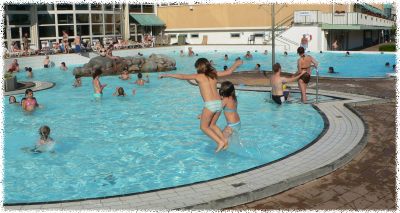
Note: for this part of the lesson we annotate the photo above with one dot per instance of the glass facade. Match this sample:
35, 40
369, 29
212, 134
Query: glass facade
87, 20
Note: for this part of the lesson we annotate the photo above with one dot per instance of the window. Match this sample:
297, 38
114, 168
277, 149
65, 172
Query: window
67, 28
97, 18
95, 6
64, 6
65, 19
194, 35
183, 35
117, 6
82, 18
82, 30
81, 7
19, 19
97, 29
108, 18
46, 19
45, 7
258, 35
15, 32
47, 31
117, 18
118, 29
108, 7
173, 35
137, 8
148, 9
19, 7
235, 35
109, 29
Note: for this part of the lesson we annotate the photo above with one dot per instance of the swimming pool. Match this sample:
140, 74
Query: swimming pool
132, 144
357, 65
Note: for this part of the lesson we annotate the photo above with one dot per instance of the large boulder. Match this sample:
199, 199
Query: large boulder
155, 63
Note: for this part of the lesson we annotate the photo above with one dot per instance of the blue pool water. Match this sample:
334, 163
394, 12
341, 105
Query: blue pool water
358, 65
137, 143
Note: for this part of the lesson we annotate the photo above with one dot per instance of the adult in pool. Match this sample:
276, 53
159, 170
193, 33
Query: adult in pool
305, 62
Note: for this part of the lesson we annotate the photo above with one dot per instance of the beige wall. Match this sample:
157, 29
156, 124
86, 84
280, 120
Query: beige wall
232, 15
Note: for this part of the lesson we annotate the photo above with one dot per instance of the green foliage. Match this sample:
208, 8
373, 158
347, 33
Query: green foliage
388, 48
8, 75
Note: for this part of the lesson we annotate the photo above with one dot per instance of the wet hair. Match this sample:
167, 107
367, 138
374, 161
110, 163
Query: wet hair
139, 75
258, 65
29, 69
276, 67
394, 66
28, 91
44, 132
320, 51
97, 72
121, 91
204, 66
331, 70
12, 97
300, 50
387, 64
347, 53
227, 90
63, 63
225, 67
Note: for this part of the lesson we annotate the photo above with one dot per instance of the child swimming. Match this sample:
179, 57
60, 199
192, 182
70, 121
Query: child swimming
229, 105
97, 86
206, 79
45, 143
63, 66
119, 91
140, 80
78, 81
12, 100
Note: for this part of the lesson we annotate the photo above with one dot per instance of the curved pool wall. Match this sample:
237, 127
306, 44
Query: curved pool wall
359, 65
344, 139
157, 123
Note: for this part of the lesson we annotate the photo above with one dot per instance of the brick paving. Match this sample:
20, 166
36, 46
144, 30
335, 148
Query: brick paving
368, 182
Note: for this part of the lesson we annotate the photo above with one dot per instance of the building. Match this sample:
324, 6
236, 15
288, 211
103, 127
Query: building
318, 26
352, 26
45, 22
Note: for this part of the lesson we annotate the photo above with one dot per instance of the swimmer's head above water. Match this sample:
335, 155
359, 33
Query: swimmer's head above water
44, 132
227, 90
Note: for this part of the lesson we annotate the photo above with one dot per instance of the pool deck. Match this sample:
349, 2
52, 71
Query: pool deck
343, 140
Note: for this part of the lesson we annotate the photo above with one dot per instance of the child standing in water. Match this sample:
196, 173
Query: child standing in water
97, 86
29, 102
229, 105
206, 79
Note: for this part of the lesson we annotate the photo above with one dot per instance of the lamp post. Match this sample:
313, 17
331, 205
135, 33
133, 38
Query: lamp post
273, 32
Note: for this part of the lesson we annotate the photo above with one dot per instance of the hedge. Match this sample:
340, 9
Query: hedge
388, 48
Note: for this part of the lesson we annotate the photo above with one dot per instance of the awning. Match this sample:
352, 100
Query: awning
373, 9
147, 19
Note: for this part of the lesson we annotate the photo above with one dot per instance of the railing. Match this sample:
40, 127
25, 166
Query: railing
313, 17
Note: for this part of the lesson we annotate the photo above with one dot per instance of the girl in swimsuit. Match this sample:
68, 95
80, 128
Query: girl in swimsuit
206, 79
229, 105
304, 63
45, 143
29, 103
12, 100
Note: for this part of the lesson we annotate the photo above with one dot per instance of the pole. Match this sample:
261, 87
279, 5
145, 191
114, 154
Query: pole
273, 32
316, 90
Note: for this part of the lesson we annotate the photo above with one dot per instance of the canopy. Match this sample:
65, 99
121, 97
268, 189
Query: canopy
148, 19
373, 9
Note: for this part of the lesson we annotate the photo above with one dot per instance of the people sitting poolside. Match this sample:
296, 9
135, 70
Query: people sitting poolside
14, 66
248, 55
29, 103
